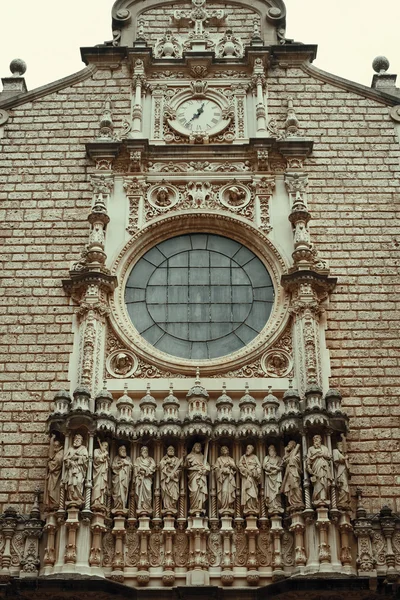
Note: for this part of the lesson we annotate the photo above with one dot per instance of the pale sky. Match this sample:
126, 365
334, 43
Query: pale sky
47, 34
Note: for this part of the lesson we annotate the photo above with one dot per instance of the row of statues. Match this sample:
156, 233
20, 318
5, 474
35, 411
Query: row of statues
282, 475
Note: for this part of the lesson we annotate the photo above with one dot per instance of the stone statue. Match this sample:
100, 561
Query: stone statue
250, 470
273, 480
122, 469
225, 471
75, 462
144, 468
101, 464
319, 465
198, 469
54, 468
341, 463
170, 471
291, 484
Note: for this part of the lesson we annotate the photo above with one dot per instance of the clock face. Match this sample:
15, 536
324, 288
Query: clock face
199, 114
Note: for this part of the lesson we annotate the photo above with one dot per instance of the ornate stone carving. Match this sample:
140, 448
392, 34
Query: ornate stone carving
273, 480
229, 46
198, 467
214, 547
101, 465
225, 471
291, 484
201, 166
75, 465
277, 363
342, 474
132, 550
181, 547
144, 468
108, 549
53, 479
287, 549
250, 470
170, 472
319, 465
169, 46
121, 363
122, 470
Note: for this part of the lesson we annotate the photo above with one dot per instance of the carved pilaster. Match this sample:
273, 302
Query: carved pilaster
265, 188
33, 529
72, 526
8, 526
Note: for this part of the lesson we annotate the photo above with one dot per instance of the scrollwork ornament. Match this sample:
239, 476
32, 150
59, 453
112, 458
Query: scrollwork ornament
379, 545
287, 549
156, 550
240, 540
132, 547
214, 549
181, 548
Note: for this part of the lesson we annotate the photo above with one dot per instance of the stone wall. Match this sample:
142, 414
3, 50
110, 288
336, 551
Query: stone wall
45, 199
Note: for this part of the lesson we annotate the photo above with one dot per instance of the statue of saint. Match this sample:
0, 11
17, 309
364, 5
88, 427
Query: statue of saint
291, 484
198, 468
341, 463
144, 468
121, 468
225, 471
101, 464
250, 470
75, 462
54, 468
273, 480
319, 465
170, 471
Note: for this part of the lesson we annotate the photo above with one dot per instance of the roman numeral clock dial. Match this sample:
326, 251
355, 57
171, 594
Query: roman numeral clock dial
199, 114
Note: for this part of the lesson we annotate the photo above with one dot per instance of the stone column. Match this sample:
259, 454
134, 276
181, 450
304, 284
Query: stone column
259, 80
137, 111
9, 525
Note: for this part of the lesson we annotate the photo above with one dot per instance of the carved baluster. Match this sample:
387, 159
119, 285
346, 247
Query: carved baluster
9, 524
49, 553
89, 474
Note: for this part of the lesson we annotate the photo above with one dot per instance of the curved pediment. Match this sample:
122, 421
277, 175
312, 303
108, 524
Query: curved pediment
151, 20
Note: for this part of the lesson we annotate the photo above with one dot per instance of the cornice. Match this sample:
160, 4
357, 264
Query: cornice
350, 86
49, 88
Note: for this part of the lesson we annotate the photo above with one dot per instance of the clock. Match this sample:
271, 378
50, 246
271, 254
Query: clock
199, 114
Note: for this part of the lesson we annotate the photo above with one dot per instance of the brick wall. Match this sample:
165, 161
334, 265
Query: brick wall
44, 202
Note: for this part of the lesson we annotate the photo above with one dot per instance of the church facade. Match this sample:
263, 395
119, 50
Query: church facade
200, 311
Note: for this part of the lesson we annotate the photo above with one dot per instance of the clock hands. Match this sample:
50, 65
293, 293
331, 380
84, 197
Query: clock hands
198, 112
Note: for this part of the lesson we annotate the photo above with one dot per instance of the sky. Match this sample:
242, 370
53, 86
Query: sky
47, 34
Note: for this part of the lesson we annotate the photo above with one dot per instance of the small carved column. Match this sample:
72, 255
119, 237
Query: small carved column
33, 530
388, 524
298, 527
98, 528
363, 530
72, 526
324, 550
276, 534
259, 81
143, 575
169, 562
9, 524
137, 111
89, 475
50, 528
253, 576
345, 529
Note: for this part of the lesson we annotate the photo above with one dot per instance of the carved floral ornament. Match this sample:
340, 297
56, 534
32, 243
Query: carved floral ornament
190, 221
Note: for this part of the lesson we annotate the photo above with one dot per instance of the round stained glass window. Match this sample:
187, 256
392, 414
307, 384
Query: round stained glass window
199, 296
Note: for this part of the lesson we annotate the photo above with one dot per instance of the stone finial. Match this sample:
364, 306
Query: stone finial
18, 67
382, 80
380, 64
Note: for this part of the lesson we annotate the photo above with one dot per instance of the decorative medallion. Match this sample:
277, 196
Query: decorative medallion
121, 364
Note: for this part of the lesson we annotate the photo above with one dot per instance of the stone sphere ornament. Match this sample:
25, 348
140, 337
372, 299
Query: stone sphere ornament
18, 67
380, 64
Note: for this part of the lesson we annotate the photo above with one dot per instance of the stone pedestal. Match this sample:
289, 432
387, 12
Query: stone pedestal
197, 531
119, 533
324, 550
